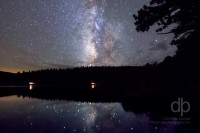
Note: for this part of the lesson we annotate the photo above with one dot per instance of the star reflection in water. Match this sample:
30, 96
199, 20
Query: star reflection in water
34, 115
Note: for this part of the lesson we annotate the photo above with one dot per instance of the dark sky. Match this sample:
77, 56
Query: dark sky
39, 34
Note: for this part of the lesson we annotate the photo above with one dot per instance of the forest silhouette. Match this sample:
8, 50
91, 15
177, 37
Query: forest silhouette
139, 88
180, 71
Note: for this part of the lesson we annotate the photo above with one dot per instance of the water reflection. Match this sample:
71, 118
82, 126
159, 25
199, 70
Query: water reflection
31, 85
34, 115
93, 85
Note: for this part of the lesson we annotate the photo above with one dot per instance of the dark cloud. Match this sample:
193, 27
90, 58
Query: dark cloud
163, 46
70, 33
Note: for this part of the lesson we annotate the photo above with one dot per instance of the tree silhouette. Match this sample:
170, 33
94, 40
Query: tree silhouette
183, 13
181, 18
178, 17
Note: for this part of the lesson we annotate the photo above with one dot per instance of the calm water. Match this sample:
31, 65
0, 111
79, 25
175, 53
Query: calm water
35, 115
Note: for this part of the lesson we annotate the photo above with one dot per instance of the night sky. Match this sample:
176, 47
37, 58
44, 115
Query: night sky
40, 34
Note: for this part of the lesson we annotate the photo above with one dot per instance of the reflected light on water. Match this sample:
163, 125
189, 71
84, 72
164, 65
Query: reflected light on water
93, 85
68, 116
31, 85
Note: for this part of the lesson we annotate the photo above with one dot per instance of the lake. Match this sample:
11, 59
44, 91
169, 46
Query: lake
18, 114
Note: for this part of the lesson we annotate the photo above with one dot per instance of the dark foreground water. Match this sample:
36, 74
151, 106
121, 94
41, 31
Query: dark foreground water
19, 114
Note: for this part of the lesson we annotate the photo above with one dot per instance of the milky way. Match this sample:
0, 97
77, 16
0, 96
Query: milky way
43, 34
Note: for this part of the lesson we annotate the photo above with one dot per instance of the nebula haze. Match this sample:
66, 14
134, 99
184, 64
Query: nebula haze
43, 34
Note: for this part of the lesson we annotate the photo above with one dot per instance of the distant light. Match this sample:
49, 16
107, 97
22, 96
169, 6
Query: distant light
93, 85
31, 85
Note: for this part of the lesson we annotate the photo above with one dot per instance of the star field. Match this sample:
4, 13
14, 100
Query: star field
43, 34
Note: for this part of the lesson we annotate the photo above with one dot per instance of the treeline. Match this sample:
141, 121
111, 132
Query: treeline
165, 74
